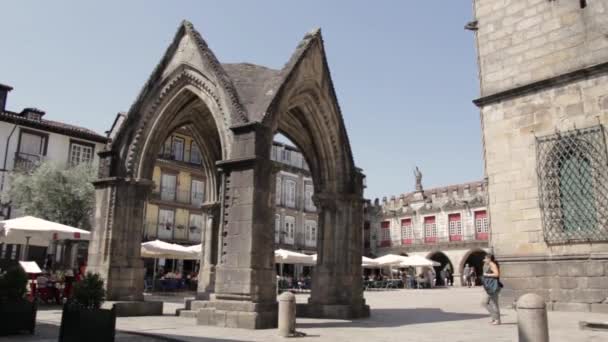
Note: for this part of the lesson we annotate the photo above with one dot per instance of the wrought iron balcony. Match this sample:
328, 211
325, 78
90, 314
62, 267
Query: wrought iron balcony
171, 232
436, 241
27, 162
169, 194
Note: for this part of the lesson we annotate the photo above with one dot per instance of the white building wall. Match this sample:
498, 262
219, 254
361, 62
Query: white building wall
58, 148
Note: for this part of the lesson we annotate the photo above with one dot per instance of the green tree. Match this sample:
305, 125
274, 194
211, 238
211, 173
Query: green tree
56, 194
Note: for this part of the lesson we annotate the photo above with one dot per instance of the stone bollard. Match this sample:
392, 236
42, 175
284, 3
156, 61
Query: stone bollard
532, 323
287, 314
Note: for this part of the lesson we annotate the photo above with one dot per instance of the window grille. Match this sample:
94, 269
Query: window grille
572, 170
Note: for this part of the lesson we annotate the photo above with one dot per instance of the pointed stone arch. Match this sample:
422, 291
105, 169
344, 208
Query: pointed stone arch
234, 110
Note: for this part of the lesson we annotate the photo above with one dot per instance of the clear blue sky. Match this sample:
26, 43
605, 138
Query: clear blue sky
404, 71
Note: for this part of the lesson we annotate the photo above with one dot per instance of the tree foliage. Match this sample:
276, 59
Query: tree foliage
56, 194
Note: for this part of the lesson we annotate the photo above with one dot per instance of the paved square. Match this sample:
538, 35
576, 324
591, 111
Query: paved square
453, 314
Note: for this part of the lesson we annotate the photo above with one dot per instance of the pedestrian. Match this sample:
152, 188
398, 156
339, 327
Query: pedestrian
492, 286
467, 275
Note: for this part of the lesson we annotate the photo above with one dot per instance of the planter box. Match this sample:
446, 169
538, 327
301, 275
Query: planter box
79, 324
17, 317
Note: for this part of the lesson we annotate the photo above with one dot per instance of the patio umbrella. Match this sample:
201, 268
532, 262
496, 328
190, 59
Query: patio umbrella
161, 249
368, 262
418, 261
283, 256
390, 260
33, 231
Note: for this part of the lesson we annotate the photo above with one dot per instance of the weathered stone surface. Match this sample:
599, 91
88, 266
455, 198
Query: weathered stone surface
236, 114
599, 307
540, 74
575, 307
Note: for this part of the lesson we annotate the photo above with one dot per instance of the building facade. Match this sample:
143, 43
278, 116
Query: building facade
295, 212
543, 71
175, 209
27, 139
446, 224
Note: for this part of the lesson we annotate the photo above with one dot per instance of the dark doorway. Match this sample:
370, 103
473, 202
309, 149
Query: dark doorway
441, 271
475, 260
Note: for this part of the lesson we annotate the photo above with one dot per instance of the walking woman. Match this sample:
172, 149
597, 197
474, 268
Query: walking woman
492, 285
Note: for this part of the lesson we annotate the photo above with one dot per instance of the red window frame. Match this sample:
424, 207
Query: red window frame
385, 234
482, 226
407, 229
455, 227
430, 229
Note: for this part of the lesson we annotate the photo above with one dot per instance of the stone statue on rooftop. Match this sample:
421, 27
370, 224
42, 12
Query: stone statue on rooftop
418, 176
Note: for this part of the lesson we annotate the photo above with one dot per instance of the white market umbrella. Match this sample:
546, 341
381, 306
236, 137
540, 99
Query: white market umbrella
33, 231
365, 261
418, 261
17, 230
161, 249
196, 249
368, 262
390, 260
283, 256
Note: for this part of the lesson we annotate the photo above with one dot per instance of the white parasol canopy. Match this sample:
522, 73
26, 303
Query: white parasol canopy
365, 261
418, 261
283, 256
368, 262
196, 249
161, 249
390, 260
39, 232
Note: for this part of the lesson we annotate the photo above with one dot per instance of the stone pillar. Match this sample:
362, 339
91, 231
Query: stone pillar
206, 275
337, 286
245, 295
114, 249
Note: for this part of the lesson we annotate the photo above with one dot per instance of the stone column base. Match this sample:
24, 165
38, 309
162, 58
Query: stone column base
137, 308
125, 284
235, 314
332, 311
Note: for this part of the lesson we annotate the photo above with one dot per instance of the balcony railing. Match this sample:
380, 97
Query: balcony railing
180, 196
171, 232
435, 240
187, 157
26, 161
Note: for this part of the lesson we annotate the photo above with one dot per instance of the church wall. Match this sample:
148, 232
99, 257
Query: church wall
563, 48
523, 41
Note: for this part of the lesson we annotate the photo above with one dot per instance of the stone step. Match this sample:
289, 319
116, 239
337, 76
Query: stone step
198, 304
187, 313
188, 301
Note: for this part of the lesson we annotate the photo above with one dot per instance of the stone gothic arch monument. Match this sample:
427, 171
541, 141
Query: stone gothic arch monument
234, 110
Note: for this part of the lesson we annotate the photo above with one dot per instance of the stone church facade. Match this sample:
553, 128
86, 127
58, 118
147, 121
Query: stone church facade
447, 224
543, 72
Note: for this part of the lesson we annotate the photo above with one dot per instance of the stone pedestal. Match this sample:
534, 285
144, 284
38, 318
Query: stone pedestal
114, 249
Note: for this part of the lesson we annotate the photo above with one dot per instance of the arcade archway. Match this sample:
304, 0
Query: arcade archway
474, 259
444, 270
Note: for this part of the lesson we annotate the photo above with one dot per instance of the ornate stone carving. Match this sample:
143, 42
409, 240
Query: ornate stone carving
183, 78
454, 204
